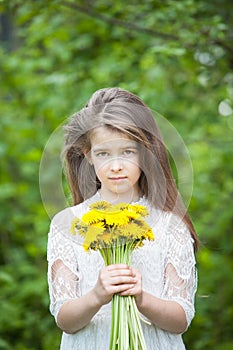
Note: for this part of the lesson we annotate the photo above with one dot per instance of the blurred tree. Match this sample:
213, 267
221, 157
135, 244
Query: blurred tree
175, 55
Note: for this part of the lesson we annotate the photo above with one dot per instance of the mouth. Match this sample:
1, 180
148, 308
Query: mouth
118, 178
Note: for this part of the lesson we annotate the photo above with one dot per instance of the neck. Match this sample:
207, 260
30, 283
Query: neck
115, 198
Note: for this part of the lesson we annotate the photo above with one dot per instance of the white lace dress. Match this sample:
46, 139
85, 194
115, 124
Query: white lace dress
167, 265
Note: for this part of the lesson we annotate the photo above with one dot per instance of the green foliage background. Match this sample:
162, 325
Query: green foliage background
177, 56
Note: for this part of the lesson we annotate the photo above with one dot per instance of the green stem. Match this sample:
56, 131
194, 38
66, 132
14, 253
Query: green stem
115, 323
138, 325
126, 330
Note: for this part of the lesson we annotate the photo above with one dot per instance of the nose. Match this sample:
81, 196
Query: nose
116, 164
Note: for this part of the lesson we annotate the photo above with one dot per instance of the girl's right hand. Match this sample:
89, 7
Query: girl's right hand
113, 279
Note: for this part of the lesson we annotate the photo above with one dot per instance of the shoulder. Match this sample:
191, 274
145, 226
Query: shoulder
64, 215
71, 212
61, 222
64, 218
168, 221
180, 244
171, 226
178, 231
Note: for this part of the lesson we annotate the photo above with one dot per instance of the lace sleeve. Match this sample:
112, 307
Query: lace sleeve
180, 270
63, 273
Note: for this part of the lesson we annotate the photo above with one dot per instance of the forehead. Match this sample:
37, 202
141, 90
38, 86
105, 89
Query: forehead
104, 136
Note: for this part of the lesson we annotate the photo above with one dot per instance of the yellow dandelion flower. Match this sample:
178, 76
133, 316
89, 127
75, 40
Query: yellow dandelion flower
91, 236
150, 235
120, 206
74, 224
92, 216
144, 230
134, 231
116, 218
106, 238
106, 226
127, 231
139, 209
82, 230
131, 214
100, 205
99, 224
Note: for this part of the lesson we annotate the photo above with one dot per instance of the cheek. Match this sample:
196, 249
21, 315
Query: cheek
138, 173
100, 168
135, 166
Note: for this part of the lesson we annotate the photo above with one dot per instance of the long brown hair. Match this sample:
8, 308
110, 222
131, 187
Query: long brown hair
124, 112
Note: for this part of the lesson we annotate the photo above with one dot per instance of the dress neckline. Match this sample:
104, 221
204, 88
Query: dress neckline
97, 197
139, 201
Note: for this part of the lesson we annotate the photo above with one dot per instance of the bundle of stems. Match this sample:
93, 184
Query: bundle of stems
116, 230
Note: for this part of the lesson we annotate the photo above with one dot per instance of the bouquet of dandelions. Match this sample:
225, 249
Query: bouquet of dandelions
116, 230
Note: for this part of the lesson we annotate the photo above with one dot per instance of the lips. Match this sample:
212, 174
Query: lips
118, 178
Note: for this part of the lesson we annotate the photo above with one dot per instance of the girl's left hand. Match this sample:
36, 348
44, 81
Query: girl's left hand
136, 289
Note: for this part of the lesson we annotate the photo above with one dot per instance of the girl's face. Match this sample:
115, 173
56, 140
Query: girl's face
116, 161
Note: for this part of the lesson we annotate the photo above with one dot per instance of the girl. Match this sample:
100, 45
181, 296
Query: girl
113, 151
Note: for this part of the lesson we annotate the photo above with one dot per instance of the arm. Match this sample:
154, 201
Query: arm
165, 314
174, 310
72, 310
76, 313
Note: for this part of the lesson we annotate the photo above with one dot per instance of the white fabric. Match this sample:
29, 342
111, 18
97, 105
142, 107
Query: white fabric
167, 265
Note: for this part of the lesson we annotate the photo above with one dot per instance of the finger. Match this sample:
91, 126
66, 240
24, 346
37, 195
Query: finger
121, 272
117, 267
132, 290
123, 289
135, 288
123, 280
136, 272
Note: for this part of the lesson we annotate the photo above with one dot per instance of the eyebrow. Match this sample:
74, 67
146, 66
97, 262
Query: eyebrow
131, 145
